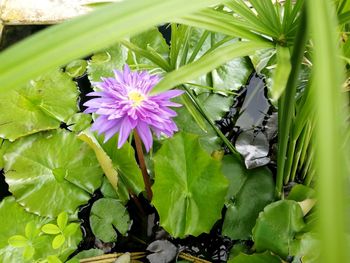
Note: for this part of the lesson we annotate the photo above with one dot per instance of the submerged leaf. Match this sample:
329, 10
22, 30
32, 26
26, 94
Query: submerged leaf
55, 165
193, 184
163, 251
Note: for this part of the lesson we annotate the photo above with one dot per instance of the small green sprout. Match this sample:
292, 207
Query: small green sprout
31, 233
61, 230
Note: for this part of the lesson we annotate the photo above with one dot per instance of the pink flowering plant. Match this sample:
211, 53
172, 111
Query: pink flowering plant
123, 104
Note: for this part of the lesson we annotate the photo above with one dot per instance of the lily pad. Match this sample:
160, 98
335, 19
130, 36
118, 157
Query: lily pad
40, 105
16, 222
192, 183
55, 166
256, 258
152, 41
104, 62
186, 123
215, 104
107, 213
277, 227
250, 191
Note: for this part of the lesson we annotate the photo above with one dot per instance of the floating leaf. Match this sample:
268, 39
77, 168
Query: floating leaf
55, 165
215, 104
186, 123
41, 105
277, 226
193, 184
306, 249
103, 63
105, 214
250, 191
76, 68
255, 258
79, 122
301, 192
150, 41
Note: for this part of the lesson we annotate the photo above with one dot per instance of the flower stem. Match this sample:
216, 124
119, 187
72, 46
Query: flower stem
142, 164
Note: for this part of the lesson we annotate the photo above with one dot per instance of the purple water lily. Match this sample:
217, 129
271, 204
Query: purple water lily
124, 104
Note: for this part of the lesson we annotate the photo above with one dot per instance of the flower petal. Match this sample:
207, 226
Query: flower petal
145, 134
124, 132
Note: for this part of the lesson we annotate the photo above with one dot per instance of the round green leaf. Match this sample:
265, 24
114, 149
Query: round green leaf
192, 183
277, 226
50, 229
103, 63
18, 241
41, 105
107, 213
55, 166
250, 191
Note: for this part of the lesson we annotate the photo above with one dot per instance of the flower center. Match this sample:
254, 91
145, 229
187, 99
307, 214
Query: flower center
136, 98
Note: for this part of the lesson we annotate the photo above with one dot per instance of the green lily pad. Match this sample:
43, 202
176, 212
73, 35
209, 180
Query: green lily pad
255, 258
107, 213
250, 191
76, 68
216, 105
104, 62
306, 248
16, 222
189, 189
40, 105
277, 227
186, 123
79, 122
151, 40
55, 166
301, 192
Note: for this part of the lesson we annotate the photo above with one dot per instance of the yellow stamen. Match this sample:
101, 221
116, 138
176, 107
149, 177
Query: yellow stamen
136, 97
